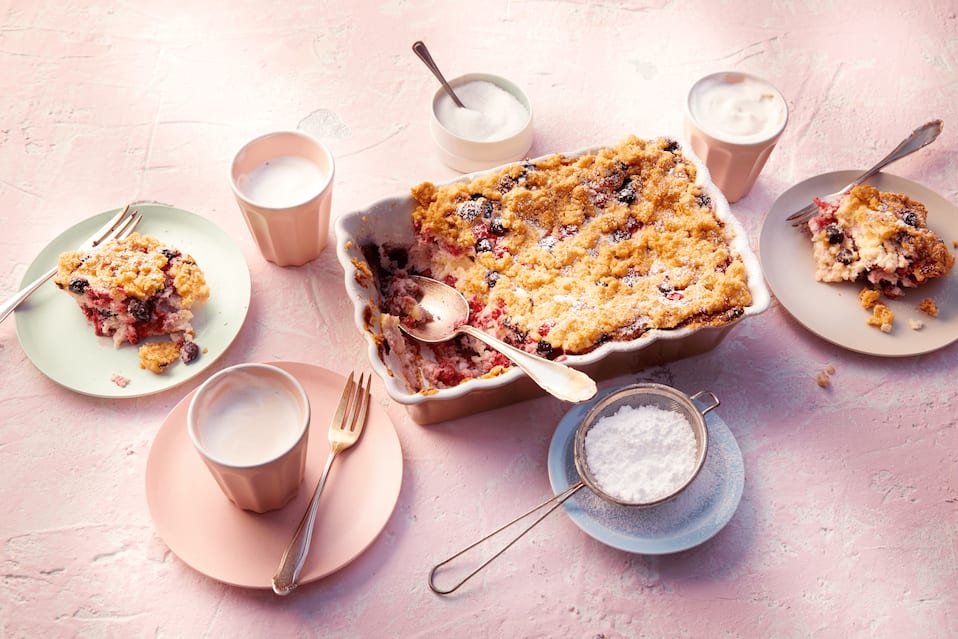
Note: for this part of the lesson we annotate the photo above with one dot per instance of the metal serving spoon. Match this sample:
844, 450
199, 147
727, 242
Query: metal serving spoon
419, 48
450, 314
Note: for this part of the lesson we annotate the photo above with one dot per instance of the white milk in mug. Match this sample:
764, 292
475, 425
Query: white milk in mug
282, 182
250, 424
249, 419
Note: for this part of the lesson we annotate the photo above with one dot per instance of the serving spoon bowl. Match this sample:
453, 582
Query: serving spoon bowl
448, 315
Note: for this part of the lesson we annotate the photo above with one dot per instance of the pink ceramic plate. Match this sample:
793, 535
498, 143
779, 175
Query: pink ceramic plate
237, 547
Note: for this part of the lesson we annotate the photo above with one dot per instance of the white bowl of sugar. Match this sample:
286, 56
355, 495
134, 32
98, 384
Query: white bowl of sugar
494, 128
643, 444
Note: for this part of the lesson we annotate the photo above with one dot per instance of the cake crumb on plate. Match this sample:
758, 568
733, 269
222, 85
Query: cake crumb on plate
882, 318
869, 297
929, 307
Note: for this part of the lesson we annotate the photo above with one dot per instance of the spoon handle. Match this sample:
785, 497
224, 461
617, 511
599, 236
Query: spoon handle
419, 48
558, 379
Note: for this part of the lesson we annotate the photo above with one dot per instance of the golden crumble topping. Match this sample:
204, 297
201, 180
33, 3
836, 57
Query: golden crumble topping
574, 251
135, 288
878, 236
869, 297
156, 356
929, 307
133, 267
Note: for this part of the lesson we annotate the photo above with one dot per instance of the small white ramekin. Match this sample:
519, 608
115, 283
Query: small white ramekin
467, 155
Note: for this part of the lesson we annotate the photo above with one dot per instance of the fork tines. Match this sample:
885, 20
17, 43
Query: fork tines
351, 412
119, 227
363, 395
361, 403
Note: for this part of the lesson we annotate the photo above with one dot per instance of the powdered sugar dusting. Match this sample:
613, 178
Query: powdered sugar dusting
641, 454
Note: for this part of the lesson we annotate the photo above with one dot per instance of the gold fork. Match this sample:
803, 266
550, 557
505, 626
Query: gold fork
119, 227
344, 431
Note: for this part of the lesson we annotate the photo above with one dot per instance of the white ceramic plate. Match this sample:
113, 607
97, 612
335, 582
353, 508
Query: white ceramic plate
692, 518
242, 548
56, 337
832, 311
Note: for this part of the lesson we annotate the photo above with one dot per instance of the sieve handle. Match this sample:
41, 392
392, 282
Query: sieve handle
553, 503
712, 397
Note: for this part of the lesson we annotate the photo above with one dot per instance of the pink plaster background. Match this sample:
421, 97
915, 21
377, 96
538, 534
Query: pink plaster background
849, 520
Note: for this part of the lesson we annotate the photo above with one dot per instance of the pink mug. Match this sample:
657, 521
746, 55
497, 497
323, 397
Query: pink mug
283, 183
733, 121
250, 424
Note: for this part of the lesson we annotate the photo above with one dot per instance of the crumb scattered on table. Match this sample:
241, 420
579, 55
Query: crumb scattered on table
823, 379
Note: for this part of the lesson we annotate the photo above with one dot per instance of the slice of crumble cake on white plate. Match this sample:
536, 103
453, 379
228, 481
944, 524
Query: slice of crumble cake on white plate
882, 238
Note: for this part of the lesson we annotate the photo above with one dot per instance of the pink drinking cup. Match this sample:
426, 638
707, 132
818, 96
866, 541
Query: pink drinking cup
250, 425
283, 183
733, 121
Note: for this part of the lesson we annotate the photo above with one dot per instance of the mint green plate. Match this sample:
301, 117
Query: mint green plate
58, 340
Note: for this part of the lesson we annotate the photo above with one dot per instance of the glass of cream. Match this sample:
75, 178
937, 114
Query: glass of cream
733, 121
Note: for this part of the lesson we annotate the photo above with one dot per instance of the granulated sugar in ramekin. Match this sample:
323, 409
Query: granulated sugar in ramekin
641, 454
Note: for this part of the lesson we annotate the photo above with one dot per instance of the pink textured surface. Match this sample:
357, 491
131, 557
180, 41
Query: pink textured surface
849, 520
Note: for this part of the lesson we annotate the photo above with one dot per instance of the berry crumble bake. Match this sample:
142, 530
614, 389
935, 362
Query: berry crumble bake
880, 237
136, 288
561, 255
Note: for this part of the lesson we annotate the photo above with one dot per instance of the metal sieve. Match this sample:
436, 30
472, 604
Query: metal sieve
636, 395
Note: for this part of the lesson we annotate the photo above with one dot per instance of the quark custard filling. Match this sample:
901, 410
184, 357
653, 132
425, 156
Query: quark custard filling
882, 238
136, 288
562, 255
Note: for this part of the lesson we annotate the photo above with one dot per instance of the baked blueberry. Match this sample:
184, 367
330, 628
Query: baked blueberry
844, 256
141, 310
627, 193
78, 285
469, 210
189, 351
834, 233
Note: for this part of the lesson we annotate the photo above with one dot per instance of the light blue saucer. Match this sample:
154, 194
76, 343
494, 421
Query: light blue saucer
690, 519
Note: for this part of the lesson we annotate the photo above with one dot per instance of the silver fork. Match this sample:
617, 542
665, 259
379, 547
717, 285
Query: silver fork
920, 137
344, 431
119, 227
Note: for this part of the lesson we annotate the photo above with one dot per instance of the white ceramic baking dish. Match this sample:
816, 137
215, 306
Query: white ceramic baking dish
389, 221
